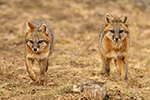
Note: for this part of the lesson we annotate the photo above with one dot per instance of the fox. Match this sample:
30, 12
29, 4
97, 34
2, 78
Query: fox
39, 45
113, 43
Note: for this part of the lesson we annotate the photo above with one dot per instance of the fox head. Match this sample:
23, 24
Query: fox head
116, 29
37, 38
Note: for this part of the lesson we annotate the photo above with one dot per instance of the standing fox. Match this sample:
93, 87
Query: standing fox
114, 44
39, 43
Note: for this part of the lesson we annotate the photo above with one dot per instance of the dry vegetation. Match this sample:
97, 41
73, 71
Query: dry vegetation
75, 58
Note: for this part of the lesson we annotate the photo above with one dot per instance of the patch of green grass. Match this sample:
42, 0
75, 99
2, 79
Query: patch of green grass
65, 89
9, 84
148, 62
1, 93
13, 85
1, 72
96, 63
127, 92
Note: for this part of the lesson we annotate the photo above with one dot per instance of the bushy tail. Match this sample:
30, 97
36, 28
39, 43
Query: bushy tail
51, 33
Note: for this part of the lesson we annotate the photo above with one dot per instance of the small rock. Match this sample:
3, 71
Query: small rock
91, 89
33, 91
77, 88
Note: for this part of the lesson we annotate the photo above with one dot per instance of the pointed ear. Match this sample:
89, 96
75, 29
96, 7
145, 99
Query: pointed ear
43, 28
29, 26
109, 18
123, 18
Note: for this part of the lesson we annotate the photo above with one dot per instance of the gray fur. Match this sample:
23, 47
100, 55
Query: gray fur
37, 23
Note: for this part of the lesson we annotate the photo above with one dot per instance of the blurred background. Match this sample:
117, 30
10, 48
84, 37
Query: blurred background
70, 17
76, 24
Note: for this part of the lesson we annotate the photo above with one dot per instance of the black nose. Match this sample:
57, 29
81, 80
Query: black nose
35, 49
116, 39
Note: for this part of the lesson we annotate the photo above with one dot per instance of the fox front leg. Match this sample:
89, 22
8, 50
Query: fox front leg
106, 66
43, 69
123, 67
29, 63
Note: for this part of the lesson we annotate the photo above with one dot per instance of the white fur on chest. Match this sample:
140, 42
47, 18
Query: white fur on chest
38, 56
114, 54
117, 45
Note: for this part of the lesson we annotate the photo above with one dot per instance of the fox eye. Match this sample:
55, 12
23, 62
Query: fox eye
120, 31
112, 31
31, 41
40, 41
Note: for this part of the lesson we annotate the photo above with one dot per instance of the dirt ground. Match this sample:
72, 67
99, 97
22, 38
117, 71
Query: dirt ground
75, 58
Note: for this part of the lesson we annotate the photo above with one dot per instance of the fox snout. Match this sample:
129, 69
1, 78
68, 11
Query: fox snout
35, 49
116, 39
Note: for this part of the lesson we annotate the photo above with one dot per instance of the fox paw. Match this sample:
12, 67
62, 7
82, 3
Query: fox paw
41, 82
104, 74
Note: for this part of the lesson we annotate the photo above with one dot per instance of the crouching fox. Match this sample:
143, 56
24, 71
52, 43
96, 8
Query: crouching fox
39, 43
114, 44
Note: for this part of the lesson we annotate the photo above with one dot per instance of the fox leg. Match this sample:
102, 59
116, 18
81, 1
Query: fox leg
43, 69
123, 65
106, 66
46, 67
29, 63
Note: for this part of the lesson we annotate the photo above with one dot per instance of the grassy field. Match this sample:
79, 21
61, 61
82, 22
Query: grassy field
76, 24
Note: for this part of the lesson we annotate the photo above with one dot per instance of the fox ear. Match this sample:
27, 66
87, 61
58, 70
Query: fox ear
108, 18
29, 26
123, 18
43, 28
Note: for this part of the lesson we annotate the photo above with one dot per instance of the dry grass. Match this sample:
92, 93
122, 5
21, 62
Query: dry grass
76, 24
